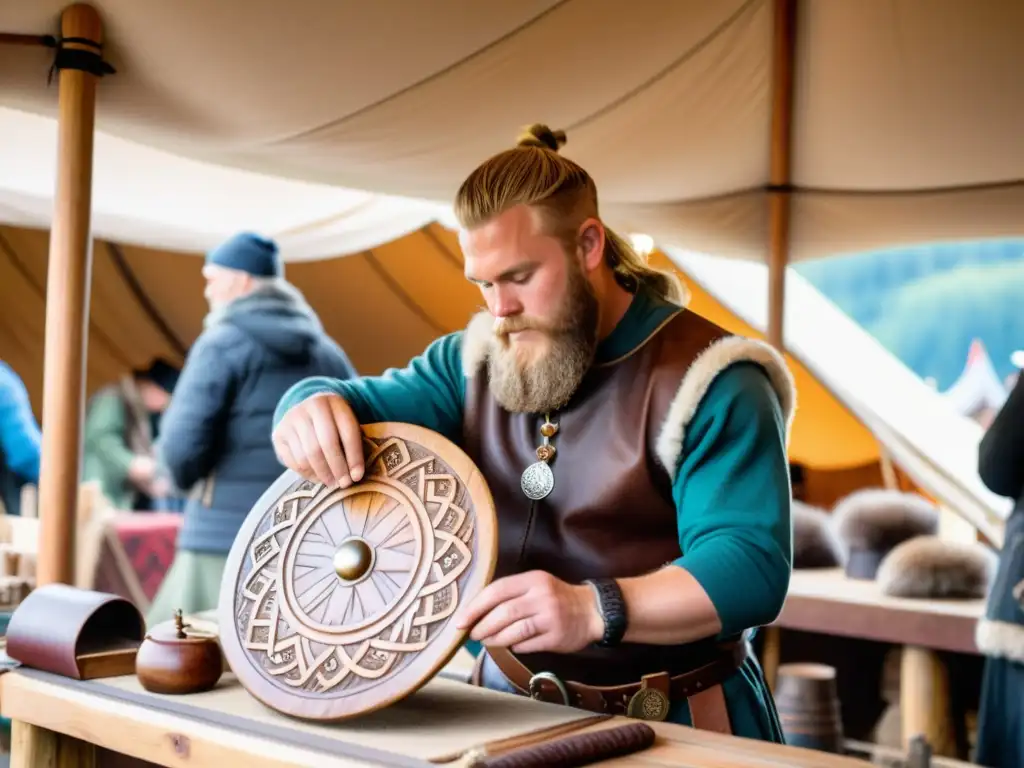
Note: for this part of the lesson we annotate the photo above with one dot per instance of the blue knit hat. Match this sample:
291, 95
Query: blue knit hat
250, 253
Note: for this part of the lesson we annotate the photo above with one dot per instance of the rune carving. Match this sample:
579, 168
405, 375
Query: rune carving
316, 627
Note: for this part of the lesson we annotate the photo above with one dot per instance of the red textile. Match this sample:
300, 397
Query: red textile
148, 539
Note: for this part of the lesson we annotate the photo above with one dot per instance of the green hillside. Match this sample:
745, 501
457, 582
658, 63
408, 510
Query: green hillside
926, 304
930, 324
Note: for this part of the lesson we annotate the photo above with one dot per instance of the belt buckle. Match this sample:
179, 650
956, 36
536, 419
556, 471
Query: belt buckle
535, 689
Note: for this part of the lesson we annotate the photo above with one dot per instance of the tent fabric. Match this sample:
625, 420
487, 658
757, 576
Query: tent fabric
978, 388
384, 306
933, 443
150, 198
906, 121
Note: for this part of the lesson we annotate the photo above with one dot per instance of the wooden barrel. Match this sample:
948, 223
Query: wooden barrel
808, 705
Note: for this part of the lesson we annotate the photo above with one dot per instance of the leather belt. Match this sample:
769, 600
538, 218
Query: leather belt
647, 699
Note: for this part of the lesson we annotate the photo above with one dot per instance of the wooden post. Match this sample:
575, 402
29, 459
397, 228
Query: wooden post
32, 747
924, 701
783, 54
67, 305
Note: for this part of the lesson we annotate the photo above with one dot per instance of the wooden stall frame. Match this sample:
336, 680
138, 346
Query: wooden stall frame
780, 171
67, 301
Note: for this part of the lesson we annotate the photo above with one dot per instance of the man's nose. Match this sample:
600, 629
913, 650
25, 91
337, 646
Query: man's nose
504, 302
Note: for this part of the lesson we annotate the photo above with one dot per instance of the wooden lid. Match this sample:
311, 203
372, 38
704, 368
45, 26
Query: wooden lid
178, 631
336, 603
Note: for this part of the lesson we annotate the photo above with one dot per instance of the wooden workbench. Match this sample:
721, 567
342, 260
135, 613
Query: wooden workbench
72, 717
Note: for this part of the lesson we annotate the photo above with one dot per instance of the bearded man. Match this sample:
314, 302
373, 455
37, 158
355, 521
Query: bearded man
636, 454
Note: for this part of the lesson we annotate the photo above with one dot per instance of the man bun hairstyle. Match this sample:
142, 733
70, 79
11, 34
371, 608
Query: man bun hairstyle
539, 135
533, 173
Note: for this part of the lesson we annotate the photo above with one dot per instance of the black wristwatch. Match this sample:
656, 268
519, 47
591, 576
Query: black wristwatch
613, 610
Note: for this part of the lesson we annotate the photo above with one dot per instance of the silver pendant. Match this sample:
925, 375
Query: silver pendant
538, 480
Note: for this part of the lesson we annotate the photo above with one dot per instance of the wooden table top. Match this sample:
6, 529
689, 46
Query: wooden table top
171, 740
827, 601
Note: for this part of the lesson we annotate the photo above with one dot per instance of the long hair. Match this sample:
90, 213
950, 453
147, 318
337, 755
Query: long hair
533, 173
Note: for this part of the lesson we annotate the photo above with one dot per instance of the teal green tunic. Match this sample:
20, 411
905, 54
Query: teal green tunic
731, 487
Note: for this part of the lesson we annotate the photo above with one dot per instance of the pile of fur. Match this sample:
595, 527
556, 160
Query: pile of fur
928, 567
876, 519
815, 544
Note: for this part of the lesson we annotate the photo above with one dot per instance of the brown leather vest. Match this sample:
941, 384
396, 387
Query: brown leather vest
611, 512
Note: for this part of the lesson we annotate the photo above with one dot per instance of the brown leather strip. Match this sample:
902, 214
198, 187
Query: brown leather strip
575, 750
615, 699
708, 711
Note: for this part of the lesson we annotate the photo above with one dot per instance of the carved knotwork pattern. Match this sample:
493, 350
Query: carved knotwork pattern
309, 630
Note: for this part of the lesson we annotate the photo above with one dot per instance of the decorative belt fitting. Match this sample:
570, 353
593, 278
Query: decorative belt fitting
538, 480
648, 704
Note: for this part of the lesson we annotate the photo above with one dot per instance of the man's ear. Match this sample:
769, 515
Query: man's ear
590, 242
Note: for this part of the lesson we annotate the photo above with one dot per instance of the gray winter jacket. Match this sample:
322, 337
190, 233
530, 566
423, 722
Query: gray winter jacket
215, 436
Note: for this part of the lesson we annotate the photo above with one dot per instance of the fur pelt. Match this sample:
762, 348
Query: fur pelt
928, 567
701, 375
876, 519
815, 544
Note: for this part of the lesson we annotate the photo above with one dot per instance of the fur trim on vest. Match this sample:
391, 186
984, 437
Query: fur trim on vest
476, 343
700, 376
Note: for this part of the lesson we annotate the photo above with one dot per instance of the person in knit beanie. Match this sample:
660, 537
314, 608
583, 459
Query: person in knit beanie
259, 338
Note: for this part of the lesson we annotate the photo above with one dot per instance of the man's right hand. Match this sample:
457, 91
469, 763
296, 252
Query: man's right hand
320, 439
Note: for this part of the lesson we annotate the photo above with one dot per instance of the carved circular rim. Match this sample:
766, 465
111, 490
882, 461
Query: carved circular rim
424, 665
353, 633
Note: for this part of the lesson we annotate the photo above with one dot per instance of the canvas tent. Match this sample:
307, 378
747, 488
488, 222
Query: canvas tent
383, 305
769, 130
978, 391
905, 126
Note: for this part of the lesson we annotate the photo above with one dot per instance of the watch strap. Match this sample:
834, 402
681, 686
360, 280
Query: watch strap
612, 606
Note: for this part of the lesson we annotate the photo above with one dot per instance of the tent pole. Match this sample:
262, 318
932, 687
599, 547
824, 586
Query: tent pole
67, 301
783, 54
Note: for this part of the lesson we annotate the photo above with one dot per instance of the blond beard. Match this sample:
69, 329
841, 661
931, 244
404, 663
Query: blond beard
548, 383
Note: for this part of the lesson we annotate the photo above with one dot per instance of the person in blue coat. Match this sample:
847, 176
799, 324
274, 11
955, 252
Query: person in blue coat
260, 337
20, 440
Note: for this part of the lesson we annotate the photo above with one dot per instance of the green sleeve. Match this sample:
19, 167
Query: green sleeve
430, 391
733, 497
103, 436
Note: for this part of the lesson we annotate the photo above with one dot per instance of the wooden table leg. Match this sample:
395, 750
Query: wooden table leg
924, 701
32, 747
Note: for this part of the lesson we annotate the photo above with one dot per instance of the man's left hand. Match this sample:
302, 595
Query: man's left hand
534, 612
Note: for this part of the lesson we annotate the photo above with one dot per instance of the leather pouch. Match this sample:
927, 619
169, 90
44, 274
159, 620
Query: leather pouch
76, 633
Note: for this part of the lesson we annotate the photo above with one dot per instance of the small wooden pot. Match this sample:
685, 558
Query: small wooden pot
176, 659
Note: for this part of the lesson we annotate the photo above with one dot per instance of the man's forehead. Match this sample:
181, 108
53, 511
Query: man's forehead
506, 244
505, 230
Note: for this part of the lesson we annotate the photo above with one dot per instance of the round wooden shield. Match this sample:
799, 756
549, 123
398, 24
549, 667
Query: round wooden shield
337, 602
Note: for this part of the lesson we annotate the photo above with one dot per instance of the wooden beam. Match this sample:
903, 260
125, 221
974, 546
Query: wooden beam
783, 57
67, 301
